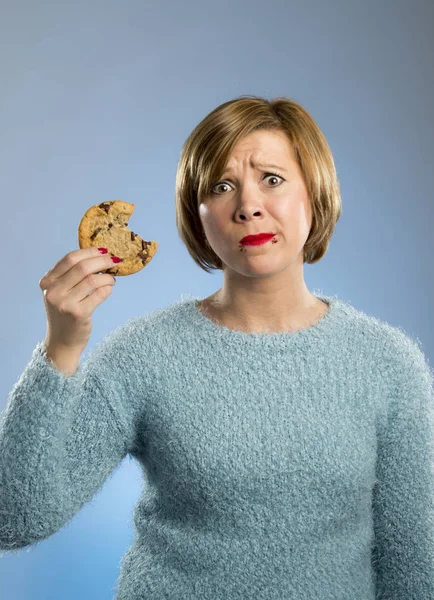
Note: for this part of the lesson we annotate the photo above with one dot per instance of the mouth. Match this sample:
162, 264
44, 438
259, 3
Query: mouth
254, 240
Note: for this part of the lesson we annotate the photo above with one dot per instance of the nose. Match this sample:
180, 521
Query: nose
246, 213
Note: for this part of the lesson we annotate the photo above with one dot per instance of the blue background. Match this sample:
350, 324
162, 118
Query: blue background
97, 99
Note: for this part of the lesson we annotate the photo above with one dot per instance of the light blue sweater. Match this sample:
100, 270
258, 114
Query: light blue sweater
290, 466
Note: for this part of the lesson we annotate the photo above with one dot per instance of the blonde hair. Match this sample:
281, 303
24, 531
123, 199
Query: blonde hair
207, 150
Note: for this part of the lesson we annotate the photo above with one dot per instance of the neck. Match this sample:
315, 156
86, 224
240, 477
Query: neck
256, 312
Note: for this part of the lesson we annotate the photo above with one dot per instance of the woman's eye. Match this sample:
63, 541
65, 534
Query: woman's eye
275, 176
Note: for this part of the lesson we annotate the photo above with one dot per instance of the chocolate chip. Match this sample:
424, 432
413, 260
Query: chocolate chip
95, 233
106, 206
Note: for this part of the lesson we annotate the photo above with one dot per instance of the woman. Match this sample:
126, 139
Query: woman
286, 439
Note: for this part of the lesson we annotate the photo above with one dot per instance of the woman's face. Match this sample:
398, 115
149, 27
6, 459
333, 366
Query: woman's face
251, 199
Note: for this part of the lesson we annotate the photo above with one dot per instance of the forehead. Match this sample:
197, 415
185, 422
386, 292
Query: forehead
262, 149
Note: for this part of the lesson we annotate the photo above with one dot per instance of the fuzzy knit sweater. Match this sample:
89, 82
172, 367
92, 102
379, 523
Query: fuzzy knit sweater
282, 466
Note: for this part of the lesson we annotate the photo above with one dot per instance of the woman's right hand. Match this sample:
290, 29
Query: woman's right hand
72, 290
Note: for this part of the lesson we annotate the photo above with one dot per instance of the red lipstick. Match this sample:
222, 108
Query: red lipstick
254, 240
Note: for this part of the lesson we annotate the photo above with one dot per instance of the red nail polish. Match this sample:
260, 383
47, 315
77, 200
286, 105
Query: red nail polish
103, 250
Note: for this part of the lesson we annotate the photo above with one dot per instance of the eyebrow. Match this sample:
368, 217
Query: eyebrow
261, 165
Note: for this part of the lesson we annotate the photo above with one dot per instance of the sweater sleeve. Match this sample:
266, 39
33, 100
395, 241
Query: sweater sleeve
403, 500
60, 439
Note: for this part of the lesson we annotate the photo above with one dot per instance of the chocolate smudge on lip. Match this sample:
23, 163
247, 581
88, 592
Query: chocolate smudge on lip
242, 248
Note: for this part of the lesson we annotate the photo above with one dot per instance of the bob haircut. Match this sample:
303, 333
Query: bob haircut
207, 149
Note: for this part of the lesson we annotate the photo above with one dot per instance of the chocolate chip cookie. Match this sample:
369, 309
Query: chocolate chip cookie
106, 225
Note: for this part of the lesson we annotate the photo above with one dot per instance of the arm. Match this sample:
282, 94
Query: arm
60, 439
64, 360
403, 500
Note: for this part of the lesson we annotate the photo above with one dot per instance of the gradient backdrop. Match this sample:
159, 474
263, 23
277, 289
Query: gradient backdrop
97, 99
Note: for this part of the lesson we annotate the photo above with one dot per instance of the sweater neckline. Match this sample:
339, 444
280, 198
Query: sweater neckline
322, 325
